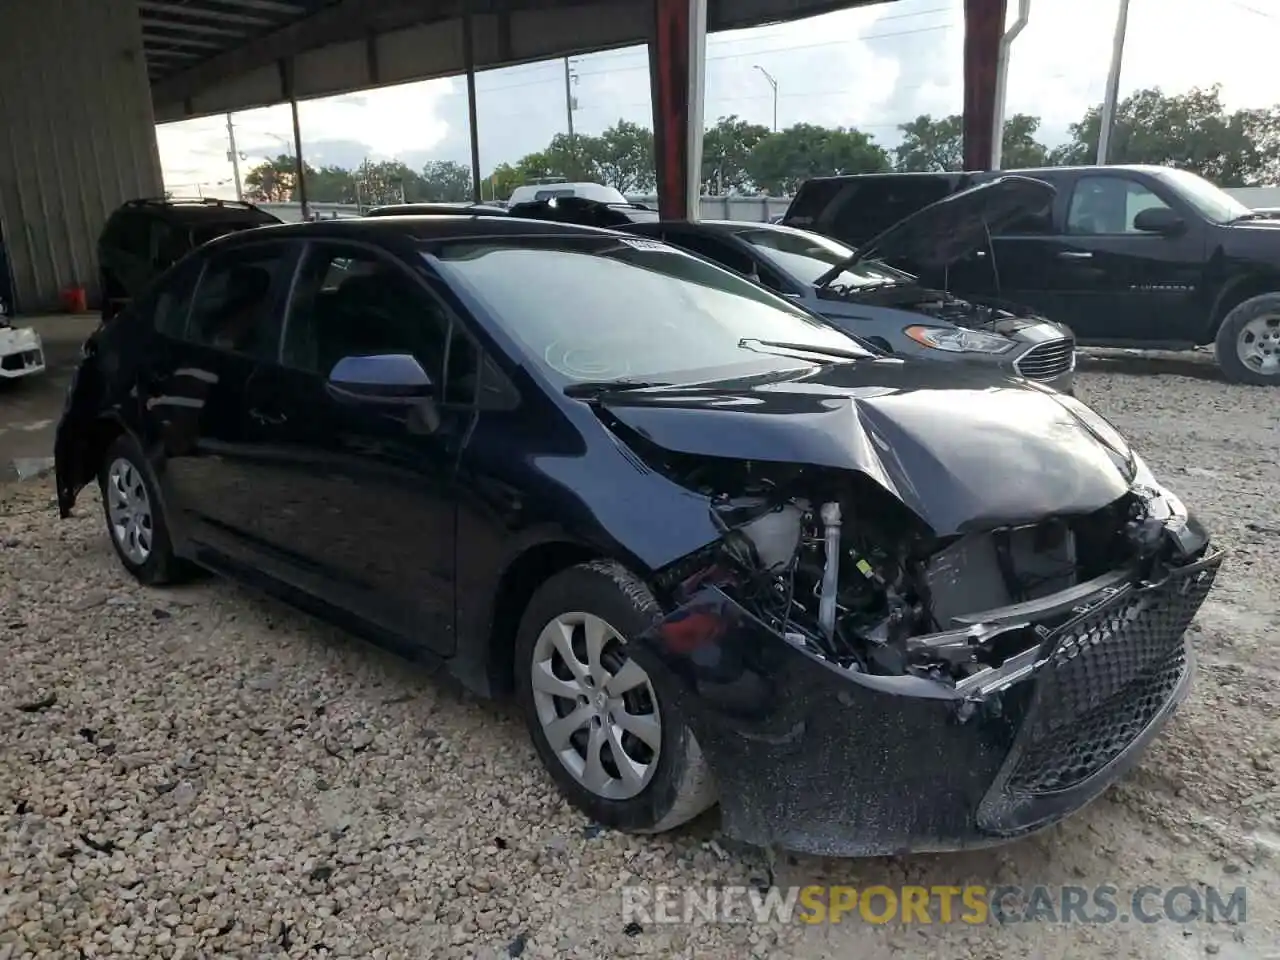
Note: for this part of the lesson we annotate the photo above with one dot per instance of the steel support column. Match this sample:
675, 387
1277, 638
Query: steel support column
677, 73
983, 28
473, 125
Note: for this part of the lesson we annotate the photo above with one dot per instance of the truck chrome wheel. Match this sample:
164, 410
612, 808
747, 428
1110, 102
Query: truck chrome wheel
1258, 344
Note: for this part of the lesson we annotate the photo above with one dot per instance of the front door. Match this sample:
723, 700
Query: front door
1114, 282
359, 498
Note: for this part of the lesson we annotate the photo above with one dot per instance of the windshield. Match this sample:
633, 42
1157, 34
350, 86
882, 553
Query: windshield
600, 308
1212, 202
807, 256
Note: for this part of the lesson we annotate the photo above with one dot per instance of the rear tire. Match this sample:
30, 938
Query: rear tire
1248, 343
135, 516
584, 700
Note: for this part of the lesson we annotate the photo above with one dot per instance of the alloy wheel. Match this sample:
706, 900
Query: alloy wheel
129, 510
1258, 345
596, 705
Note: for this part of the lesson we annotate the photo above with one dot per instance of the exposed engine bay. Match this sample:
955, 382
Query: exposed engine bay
996, 317
851, 576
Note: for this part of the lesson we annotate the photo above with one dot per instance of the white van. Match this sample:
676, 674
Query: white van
549, 191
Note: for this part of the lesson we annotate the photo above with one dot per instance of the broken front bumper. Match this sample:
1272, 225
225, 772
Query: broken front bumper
814, 758
21, 353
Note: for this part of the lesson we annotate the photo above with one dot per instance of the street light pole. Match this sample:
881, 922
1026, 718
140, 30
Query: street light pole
234, 156
569, 102
773, 83
1113, 84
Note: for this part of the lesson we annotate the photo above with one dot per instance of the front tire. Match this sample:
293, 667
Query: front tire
135, 517
614, 744
1248, 342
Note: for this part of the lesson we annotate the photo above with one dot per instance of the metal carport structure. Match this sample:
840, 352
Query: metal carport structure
83, 82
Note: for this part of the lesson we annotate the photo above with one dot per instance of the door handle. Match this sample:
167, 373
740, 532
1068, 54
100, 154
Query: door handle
273, 419
1075, 255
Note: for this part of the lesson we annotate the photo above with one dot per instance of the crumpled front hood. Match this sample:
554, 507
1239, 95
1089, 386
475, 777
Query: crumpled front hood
941, 233
963, 449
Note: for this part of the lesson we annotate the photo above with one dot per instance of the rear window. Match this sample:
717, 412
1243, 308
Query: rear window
856, 209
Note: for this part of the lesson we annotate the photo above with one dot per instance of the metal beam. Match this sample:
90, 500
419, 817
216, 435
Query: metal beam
983, 27
149, 35
180, 26
335, 22
201, 13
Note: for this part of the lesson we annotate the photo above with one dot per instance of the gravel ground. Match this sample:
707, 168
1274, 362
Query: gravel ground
202, 772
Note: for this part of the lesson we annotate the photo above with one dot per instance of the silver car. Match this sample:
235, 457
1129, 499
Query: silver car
864, 296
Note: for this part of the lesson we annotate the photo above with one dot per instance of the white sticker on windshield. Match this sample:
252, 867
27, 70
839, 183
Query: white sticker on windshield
645, 244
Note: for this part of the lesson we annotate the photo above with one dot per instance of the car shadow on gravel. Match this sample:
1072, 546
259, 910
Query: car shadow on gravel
1194, 365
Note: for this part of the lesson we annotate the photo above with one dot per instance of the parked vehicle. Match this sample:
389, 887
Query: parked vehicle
584, 212
144, 237
889, 307
556, 189
1131, 256
708, 540
21, 350
464, 208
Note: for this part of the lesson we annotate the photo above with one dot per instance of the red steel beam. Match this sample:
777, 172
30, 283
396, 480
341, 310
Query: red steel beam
983, 27
669, 71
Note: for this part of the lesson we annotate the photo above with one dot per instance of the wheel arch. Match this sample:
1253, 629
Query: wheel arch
528, 570
1236, 292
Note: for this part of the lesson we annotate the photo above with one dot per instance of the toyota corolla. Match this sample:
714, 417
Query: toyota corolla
715, 548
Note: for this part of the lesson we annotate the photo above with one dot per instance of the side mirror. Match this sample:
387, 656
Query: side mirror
1160, 220
392, 378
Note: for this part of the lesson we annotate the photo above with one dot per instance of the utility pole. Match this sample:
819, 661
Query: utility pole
570, 103
234, 156
1113, 84
773, 83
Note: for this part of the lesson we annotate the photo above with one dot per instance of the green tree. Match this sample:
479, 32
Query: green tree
273, 181
783, 160
623, 156
331, 184
444, 180
726, 148
1193, 130
930, 145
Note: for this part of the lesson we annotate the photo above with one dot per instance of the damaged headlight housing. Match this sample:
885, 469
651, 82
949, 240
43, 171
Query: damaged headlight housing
958, 339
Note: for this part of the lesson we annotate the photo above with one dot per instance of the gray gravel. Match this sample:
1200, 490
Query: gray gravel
201, 772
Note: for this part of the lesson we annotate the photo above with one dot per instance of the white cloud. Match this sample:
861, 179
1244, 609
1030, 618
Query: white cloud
872, 67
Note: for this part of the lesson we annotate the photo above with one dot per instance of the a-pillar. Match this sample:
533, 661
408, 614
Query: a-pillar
983, 28
677, 71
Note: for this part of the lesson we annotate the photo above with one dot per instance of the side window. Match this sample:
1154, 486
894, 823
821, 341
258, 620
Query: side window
714, 250
173, 301
235, 302
1107, 205
351, 302
131, 232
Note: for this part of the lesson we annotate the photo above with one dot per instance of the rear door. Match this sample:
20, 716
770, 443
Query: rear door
196, 388
1112, 282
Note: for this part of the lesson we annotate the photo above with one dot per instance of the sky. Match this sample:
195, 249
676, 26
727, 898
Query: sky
871, 68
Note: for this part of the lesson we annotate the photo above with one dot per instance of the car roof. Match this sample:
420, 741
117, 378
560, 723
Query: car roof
726, 226
196, 209
424, 227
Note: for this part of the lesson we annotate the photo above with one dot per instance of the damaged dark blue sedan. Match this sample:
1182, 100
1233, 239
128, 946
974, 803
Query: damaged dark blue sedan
717, 549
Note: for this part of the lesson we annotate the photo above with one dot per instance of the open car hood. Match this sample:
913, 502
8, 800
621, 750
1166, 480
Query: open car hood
963, 451
941, 233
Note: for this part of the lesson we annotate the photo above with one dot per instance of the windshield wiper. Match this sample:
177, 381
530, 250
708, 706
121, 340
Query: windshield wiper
1251, 215
593, 388
751, 343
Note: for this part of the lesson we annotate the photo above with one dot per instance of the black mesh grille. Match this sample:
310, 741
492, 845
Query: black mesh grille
1048, 360
1111, 672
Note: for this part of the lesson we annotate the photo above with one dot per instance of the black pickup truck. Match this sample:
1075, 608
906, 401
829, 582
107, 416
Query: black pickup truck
1131, 256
